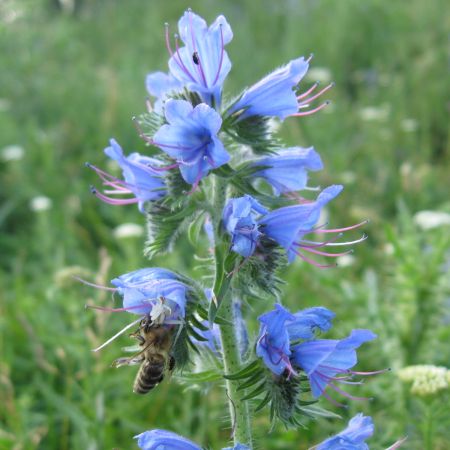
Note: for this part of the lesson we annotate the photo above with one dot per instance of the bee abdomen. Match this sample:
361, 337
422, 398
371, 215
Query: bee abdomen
150, 374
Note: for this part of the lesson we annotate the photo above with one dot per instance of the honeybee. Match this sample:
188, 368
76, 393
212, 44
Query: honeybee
155, 340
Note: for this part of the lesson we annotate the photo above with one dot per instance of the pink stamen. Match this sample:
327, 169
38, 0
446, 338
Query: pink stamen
306, 93
329, 255
310, 244
339, 230
311, 111
340, 244
311, 261
113, 201
325, 394
375, 372
221, 56
325, 89
98, 286
199, 65
180, 61
169, 48
346, 394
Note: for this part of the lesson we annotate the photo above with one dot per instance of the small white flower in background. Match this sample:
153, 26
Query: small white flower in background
426, 379
348, 177
388, 248
12, 153
345, 260
40, 203
321, 74
431, 219
409, 125
127, 230
5, 104
375, 113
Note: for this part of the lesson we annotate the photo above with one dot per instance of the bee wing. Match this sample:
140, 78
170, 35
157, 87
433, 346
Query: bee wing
132, 361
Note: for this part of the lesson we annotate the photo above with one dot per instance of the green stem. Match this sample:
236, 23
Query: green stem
239, 410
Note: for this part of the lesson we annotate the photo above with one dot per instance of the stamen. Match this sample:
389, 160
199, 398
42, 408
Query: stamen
107, 309
353, 227
180, 61
311, 56
311, 261
311, 111
306, 93
199, 65
346, 394
357, 241
325, 89
325, 394
169, 48
113, 201
329, 255
221, 56
117, 334
98, 286
375, 372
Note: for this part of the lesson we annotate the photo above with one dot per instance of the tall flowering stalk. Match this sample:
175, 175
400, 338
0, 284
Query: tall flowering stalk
256, 213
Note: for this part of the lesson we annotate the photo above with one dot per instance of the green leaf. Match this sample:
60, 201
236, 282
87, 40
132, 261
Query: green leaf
149, 123
195, 229
164, 225
245, 372
257, 376
261, 388
205, 376
263, 402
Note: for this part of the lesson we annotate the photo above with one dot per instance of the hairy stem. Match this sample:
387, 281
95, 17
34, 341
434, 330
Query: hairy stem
239, 410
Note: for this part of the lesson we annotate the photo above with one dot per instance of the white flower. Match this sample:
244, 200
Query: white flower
426, 378
375, 113
431, 219
40, 203
409, 125
127, 230
12, 153
321, 74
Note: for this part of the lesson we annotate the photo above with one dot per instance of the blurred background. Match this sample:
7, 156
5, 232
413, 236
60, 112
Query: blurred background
72, 76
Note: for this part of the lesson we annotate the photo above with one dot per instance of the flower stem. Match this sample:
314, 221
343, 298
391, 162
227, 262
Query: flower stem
239, 410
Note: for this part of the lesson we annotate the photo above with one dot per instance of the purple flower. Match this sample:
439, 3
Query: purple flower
276, 94
288, 226
307, 321
154, 291
280, 327
287, 170
164, 440
212, 336
142, 178
358, 430
323, 359
239, 217
159, 85
190, 137
273, 344
202, 64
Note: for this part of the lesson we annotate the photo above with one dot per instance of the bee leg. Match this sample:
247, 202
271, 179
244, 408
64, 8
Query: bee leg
171, 363
131, 361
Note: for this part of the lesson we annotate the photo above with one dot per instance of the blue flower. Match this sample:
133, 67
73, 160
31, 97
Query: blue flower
160, 85
211, 336
289, 224
142, 178
275, 94
323, 359
202, 64
358, 430
287, 170
273, 344
307, 321
164, 440
239, 217
154, 291
190, 137
280, 327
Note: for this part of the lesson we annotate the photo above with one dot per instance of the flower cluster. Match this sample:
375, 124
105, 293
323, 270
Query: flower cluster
250, 206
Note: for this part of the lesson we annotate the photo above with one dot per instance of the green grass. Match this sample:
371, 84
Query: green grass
69, 82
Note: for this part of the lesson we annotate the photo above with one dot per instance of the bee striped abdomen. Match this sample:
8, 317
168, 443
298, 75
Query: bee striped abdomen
150, 374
